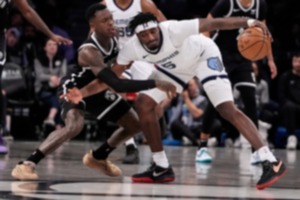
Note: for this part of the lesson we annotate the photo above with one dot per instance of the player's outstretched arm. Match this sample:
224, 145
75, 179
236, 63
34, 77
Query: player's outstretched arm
91, 57
228, 23
35, 19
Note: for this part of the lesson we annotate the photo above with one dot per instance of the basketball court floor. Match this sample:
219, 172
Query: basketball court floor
64, 177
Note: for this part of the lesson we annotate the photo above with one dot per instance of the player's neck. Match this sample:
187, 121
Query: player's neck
123, 3
105, 42
246, 3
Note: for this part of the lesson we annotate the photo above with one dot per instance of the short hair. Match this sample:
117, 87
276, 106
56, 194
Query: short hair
92, 9
141, 18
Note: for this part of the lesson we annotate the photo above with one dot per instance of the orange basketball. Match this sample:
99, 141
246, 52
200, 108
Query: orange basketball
253, 44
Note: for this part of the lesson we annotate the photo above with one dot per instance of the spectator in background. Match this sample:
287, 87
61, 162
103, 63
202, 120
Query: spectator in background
289, 97
12, 45
49, 68
33, 18
186, 119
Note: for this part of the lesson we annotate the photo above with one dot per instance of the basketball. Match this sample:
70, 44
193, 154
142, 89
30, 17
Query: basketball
253, 44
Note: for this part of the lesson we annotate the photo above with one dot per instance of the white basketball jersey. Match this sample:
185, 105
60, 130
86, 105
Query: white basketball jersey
122, 17
181, 50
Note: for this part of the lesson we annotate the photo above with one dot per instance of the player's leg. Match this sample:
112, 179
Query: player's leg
202, 154
242, 80
138, 71
74, 122
218, 89
120, 112
160, 170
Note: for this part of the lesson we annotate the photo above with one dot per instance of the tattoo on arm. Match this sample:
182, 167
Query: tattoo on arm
91, 57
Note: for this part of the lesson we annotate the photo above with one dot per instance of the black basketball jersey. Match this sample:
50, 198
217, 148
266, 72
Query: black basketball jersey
227, 39
82, 75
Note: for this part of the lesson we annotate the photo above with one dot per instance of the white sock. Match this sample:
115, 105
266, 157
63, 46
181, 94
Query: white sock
160, 159
265, 154
130, 141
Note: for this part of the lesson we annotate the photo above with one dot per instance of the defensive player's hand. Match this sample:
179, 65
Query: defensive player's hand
61, 40
166, 86
73, 96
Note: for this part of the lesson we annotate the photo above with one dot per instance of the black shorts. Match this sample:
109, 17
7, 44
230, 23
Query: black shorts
105, 106
239, 70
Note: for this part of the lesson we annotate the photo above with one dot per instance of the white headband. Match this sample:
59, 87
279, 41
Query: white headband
146, 26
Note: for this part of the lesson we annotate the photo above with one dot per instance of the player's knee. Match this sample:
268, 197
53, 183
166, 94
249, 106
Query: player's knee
145, 104
228, 110
73, 129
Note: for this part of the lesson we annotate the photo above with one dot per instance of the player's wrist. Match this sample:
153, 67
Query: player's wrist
250, 22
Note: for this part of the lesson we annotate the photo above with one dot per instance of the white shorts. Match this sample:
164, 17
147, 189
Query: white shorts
210, 71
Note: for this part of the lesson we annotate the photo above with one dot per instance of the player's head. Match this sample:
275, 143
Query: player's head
145, 25
296, 62
101, 20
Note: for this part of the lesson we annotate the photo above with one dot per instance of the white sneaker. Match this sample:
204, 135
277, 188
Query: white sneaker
202, 156
254, 158
292, 142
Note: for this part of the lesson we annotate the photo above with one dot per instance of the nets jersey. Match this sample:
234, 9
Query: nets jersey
122, 17
226, 39
81, 76
182, 48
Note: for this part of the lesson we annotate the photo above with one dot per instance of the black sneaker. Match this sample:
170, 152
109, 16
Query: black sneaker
271, 173
132, 155
155, 174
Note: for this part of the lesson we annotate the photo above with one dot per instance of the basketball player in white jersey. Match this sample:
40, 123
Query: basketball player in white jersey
180, 53
123, 11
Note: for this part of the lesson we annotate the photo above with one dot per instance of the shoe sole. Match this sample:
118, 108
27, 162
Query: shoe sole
149, 180
204, 161
13, 174
271, 182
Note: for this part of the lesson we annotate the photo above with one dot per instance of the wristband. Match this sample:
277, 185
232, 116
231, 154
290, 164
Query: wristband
250, 22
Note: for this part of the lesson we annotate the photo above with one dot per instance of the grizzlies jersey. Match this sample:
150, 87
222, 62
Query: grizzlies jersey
181, 51
226, 39
122, 17
81, 76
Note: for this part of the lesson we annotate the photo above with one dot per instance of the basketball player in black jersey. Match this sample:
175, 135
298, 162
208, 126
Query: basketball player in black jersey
33, 18
95, 57
238, 68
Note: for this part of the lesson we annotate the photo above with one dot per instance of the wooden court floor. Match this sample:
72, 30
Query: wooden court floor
64, 177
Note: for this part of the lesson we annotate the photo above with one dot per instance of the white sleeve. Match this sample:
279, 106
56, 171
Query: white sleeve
126, 54
180, 30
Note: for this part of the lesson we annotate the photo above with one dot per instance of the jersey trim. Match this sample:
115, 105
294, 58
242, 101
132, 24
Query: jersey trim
210, 78
243, 8
172, 76
114, 1
109, 108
